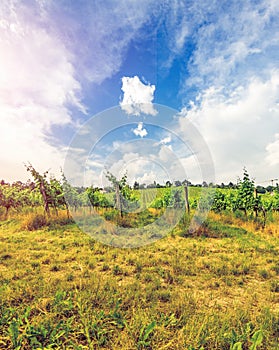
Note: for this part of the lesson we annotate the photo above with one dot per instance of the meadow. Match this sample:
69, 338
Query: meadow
217, 288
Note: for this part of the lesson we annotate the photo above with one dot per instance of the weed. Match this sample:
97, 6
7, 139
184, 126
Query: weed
116, 270
274, 286
144, 335
264, 274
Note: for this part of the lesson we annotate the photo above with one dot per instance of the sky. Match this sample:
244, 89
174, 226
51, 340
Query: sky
163, 89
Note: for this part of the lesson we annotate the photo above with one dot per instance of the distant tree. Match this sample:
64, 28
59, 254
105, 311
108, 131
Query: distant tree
261, 189
168, 184
269, 188
186, 182
177, 183
136, 185
152, 185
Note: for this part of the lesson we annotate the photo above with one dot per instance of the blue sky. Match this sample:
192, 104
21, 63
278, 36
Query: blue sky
215, 62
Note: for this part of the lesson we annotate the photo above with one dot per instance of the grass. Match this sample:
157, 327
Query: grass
218, 289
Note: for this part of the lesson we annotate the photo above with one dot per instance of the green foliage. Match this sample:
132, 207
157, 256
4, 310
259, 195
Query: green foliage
126, 198
72, 198
14, 196
163, 198
219, 202
257, 340
144, 334
96, 198
245, 193
51, 189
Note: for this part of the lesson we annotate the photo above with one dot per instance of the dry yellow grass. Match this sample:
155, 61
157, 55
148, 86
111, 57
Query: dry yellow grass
61, 287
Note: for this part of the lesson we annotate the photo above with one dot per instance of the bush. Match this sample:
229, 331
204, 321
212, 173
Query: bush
111, 215
34, 222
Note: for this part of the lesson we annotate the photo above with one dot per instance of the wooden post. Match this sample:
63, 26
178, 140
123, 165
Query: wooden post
118, 200
256, 206
187, 206
44, 195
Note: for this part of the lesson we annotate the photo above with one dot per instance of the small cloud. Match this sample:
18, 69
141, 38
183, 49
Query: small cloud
137, 97
165, 140
139, 131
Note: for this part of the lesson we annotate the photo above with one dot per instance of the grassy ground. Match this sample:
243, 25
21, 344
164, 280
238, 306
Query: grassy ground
60, 289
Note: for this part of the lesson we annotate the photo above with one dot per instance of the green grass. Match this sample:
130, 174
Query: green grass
60, 289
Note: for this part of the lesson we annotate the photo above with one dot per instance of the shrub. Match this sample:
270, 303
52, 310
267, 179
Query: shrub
111, 215
34, 222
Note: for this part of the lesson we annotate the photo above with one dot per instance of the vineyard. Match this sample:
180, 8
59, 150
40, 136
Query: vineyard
52, 194
213, 288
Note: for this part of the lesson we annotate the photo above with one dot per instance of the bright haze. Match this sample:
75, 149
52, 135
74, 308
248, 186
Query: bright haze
215, 62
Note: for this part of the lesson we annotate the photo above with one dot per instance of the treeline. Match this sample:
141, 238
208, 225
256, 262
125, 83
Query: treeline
260, 189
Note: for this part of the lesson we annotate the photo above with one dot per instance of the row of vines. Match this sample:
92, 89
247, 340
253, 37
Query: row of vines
47, 191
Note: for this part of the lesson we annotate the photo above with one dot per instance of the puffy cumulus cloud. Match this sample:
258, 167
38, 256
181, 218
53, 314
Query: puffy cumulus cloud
239, 128
147, 178
140, 131
137, 96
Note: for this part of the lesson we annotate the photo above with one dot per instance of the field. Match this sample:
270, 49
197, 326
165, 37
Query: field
216, 289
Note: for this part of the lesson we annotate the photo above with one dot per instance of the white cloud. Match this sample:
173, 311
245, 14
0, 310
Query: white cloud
98, 32
273, 151
37, 85
140, 131
166, 140
137, 97
227, 44
239, 129
147, 178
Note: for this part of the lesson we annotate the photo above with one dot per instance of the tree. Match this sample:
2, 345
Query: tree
168, 183
136, 185
186, 182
